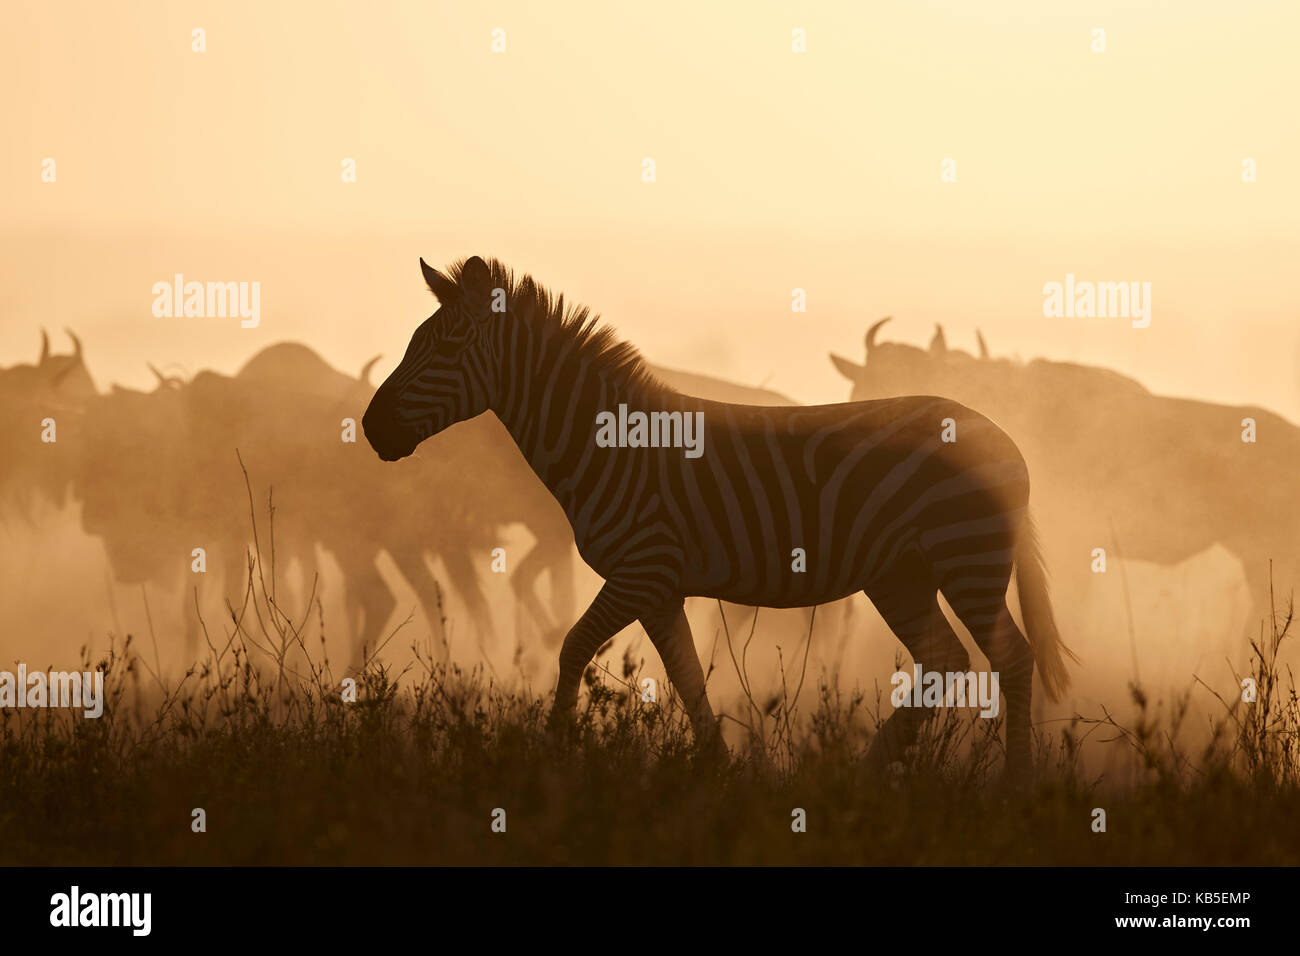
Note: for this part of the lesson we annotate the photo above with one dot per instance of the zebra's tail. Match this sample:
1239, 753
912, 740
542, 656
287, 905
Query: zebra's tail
1050, 651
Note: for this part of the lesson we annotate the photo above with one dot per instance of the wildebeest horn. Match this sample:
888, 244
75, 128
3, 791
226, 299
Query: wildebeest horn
984, 349
165, 379
365, 369
45, 346
938, 344
76, 343
871, 332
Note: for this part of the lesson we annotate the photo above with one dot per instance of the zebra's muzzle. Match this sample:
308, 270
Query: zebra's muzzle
386, 435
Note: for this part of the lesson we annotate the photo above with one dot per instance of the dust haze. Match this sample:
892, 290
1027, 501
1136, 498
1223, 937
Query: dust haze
773, 174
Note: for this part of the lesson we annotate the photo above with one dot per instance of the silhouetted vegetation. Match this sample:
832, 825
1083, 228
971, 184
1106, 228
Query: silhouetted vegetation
259, 736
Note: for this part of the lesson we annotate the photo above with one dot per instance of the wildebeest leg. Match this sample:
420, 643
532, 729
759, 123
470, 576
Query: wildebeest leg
371, 601
198, 610
524, 583
193, 593
465, 580
410, 561
197, 600
559, 559
908, 601
670, 632
190, 617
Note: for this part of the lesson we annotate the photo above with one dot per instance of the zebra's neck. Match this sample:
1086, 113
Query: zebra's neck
549, 397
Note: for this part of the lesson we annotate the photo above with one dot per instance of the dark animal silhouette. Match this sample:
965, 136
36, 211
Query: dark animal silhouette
869, 490
140, 478
1162, 478
160, 475
56, 388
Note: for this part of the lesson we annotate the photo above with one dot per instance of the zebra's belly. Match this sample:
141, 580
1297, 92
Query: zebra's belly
760, 591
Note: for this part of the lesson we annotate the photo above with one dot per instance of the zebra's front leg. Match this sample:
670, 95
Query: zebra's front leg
618, 604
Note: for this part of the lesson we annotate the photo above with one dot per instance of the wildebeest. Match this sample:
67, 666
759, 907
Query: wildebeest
53, 390
143, 492
157, 476
160, 476
1151, 477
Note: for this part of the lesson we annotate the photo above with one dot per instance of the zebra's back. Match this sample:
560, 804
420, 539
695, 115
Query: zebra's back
794, 506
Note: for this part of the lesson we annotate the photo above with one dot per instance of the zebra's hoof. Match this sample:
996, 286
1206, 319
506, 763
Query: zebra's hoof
710, 747
561, 725
1018, 778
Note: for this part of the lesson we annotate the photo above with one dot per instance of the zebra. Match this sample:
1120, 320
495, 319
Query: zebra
870, 493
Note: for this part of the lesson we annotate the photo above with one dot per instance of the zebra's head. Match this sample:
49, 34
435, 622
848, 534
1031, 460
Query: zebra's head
447, 374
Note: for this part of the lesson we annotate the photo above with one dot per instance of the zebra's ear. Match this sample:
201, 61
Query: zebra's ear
850, 370
476, 282
443, 289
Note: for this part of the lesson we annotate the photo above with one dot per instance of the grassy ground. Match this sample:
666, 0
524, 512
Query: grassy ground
413, 770
418, 766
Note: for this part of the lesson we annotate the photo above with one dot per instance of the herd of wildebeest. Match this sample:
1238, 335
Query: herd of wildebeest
192, 462
159, 473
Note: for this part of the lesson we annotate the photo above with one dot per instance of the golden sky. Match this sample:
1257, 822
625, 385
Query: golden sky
775, 170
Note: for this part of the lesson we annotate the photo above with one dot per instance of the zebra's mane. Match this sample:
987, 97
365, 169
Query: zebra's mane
549, 317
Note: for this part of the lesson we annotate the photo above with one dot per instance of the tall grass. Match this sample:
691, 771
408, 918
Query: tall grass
259, 735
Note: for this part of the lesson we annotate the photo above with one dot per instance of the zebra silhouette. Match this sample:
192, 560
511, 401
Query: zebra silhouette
874, 495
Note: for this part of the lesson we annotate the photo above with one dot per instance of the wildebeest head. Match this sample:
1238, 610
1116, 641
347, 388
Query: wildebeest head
892, 368
447, 374
68, 377
37, 402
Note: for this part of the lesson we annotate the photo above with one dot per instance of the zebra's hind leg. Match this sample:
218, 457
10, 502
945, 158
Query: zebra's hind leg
908, 601
980, 602
670, 633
